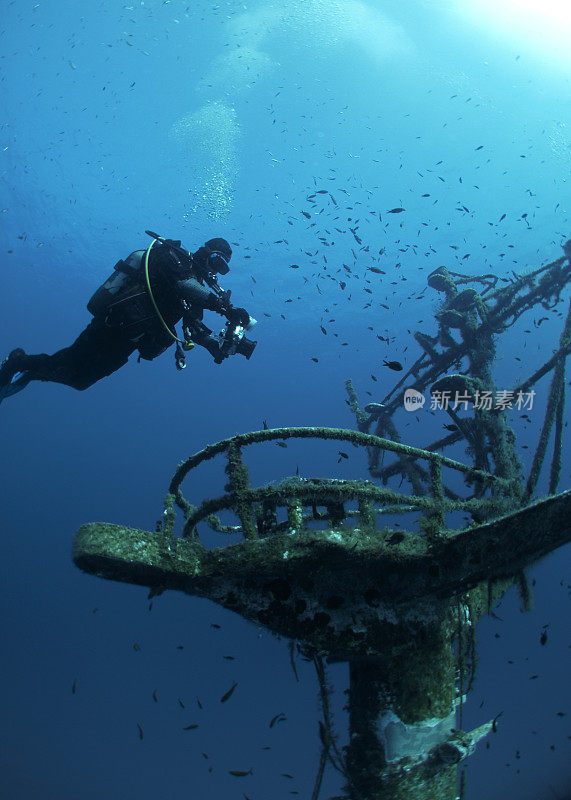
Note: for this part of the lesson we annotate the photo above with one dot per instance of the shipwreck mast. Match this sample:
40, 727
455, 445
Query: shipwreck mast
400, 606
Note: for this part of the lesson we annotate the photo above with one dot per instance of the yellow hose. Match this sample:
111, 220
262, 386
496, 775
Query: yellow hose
188, 344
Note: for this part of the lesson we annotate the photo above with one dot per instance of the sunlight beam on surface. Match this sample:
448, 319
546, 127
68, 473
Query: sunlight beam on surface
540, 26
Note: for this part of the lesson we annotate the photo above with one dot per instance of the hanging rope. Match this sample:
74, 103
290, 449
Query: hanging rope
553, 413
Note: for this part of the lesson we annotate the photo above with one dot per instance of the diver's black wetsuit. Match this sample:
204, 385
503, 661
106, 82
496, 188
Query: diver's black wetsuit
131, 323
98, 351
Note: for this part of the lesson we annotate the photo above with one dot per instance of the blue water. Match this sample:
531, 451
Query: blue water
207, 120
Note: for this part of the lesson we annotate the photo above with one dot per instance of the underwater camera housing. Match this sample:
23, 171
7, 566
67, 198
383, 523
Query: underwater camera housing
233, 340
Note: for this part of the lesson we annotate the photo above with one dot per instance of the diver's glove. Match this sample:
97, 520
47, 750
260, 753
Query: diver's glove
238, 316
224, 298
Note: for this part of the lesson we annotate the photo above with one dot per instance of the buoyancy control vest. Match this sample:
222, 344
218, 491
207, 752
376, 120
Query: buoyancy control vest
123, 301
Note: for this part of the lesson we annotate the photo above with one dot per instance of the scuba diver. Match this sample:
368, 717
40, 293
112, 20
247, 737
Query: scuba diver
136, 309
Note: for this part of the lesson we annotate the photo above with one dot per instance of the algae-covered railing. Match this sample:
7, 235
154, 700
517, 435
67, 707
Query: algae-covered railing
256, 507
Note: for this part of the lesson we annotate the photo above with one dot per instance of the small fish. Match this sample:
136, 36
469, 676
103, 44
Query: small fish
294, 266
265, 424
241, 773
502, 217
181, 704
306, 214
480, 147
140, 731
451, 427
287, 775
395, 211
281, 717
316, 360
199, 704
373, 378
281, 444
229, 658
137, 647
377, 270
323, 330
396, 365
215, 625
342, 454
543, 637
74, 686
229, 693
155, 698
190, 727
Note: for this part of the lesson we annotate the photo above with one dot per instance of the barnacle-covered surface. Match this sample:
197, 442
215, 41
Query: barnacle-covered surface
302, 584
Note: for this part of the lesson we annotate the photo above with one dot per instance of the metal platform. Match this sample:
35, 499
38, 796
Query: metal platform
316, 585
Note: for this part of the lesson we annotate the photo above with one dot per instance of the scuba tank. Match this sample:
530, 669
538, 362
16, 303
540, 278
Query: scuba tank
126, 276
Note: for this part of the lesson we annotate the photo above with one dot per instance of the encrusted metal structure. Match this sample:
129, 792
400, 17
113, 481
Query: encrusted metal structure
315, 564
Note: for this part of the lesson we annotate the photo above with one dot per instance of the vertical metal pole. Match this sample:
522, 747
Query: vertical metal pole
239, 484
395, 704
366, 513
295, 515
